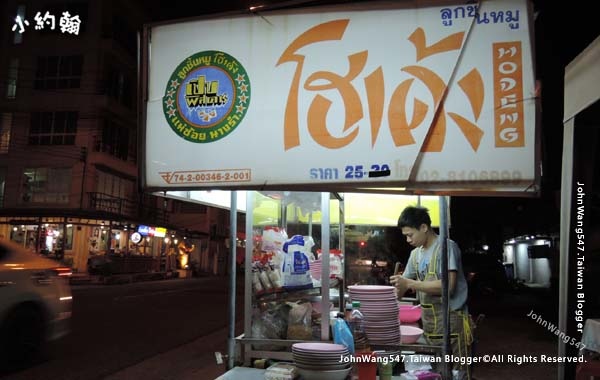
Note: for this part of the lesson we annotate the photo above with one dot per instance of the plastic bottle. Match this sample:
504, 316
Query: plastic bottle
274, 278
357, 319
348, 314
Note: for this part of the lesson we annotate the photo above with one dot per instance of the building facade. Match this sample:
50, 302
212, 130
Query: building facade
68, 138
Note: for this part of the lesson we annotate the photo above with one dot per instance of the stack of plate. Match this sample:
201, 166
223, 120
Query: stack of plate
379, 306
320, 356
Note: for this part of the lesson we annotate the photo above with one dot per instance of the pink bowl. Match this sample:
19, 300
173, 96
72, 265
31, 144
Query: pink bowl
410, 334
409, 313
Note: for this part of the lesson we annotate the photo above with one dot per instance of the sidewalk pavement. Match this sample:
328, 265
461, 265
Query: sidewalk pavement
192, 361
77, 279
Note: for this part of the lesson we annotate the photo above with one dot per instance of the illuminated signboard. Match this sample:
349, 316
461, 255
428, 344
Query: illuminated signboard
448, 104
160, 232
144, 230
152, 231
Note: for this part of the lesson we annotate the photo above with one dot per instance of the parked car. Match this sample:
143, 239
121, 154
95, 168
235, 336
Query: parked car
35, 304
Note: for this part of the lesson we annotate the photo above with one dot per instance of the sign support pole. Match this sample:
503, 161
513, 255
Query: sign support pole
232, 280
446, 349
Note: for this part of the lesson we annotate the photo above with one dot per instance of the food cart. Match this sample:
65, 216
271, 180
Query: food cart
437, 98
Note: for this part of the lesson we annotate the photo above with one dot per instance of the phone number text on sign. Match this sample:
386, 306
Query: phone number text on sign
467, 175
207, 176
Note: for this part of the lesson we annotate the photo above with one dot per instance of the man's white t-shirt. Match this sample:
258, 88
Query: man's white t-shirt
423, 257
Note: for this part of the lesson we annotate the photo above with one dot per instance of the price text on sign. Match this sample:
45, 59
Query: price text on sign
402, 172
349, 172
207, 176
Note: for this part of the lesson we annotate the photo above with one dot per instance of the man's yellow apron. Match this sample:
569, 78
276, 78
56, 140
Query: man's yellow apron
461, 337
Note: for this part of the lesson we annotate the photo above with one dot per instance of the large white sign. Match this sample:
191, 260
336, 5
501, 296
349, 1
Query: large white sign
433, 99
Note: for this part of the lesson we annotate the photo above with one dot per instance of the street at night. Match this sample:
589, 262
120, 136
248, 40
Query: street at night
117, 326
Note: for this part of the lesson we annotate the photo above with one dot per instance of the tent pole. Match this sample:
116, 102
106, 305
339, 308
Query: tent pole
447, 369
232, 280
566, 193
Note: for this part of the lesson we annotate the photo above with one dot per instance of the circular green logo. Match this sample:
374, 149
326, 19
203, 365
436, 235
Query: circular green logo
207, 96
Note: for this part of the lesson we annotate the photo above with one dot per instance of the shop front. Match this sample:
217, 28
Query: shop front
140, 249
51, 236
85, 243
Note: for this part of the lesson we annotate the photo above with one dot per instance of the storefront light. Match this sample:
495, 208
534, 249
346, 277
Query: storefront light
166, 240
175, 241
69, 226
15, 228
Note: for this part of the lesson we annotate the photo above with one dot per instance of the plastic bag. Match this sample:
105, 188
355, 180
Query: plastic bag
343, 335
296, 266
273, 238
300, 321
270, 324
281, 371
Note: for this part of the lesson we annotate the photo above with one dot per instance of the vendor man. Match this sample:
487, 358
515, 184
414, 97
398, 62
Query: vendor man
423, 275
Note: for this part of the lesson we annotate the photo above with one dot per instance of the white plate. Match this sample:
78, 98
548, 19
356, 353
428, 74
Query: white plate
320, 358
319, 347
370, 288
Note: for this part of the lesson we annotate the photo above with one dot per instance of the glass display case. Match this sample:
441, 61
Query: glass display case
294, 270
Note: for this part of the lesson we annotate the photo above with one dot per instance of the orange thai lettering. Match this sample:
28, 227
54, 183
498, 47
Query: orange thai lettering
400, 127
333, 30
319, 108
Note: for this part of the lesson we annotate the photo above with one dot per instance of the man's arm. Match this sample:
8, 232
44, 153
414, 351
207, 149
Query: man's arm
430, 287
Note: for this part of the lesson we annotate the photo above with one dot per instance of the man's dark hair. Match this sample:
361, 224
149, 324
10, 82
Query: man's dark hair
413, 216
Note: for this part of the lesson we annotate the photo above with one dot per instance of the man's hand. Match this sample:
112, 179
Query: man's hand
401, 284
